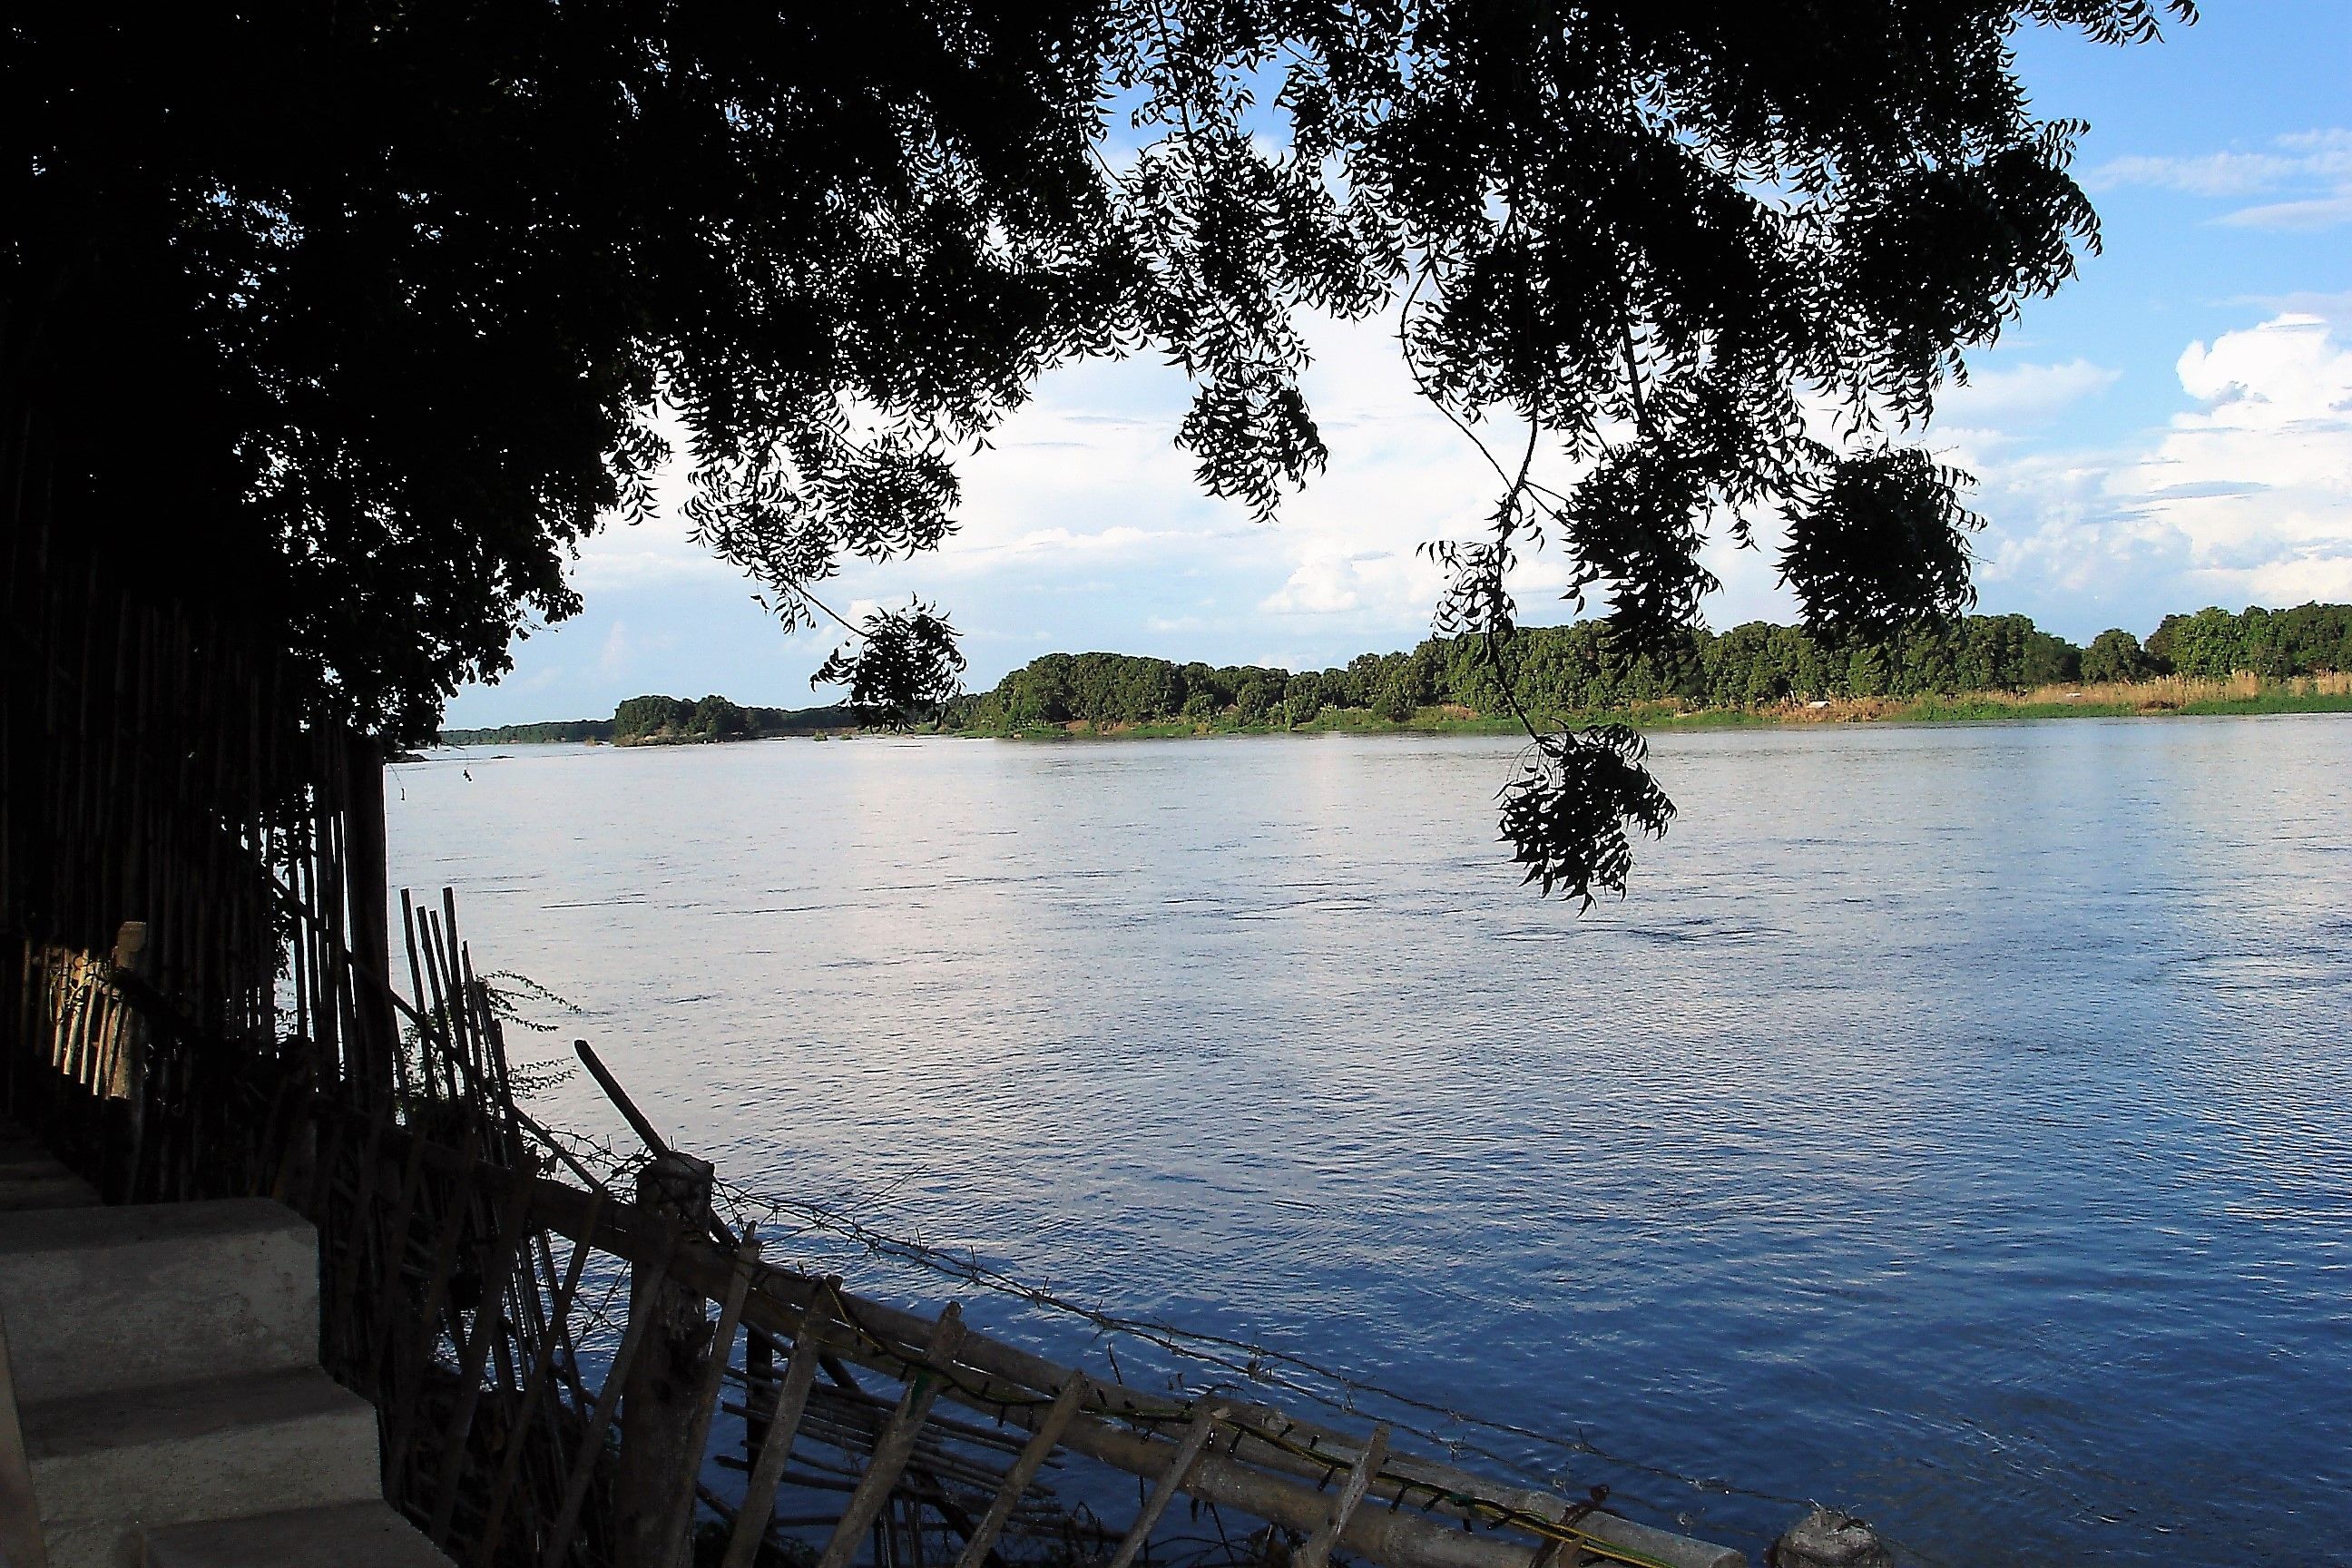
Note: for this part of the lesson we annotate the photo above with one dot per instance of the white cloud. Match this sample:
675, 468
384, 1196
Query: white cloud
2313, 168
2259, 481
624, 650
2335, 306
1401, 476
2207, 175
1391, 586
2320, 212
2021, 393
1085, 520
1088, 481
2245, 499
654, 552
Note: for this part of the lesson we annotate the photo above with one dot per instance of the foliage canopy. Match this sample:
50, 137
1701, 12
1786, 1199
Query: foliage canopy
357, 316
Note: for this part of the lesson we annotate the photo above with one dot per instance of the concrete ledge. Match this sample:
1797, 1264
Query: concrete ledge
355, 1535
23, 1188
33, 1178
99, 1300
105, 1468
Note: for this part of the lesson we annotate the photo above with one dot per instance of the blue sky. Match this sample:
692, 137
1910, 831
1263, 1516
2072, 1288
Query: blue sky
2173, 430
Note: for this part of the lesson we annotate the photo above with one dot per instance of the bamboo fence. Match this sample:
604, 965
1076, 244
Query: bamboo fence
186, 869
775, 1417
197, 1003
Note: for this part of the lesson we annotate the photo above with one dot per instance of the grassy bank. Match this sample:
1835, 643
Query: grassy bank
2168, 696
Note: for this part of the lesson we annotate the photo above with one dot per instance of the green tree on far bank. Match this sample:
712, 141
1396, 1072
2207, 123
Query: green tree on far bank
1587, 667
1559, 672
643, 718
2115, 656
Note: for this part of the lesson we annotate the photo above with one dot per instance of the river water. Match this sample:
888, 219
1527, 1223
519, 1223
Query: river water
1951, 1125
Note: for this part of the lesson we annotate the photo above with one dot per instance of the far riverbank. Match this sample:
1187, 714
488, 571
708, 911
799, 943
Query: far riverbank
2165, 697
2169, 696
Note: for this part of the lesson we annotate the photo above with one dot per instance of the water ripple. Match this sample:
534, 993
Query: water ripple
1950, 1126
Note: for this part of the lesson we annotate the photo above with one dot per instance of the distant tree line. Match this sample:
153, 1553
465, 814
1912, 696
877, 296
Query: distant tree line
551, 731
1554, 672
1581, 668
664, 720
2213, 643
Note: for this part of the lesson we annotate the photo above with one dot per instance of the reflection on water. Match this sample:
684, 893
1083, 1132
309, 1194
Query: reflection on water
1949, 1126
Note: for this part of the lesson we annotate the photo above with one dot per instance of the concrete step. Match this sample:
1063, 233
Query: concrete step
107, 1468
33, 1178
105, 1299
355, 1535
44, 1189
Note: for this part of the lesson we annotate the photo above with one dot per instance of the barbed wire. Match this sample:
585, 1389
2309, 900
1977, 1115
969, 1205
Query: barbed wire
1254, 1363
1246, 1362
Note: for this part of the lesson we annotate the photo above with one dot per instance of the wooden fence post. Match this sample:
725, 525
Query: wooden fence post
364, 881
653, 1489
122, 1086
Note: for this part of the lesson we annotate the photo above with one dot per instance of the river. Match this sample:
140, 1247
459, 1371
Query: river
1950, 1125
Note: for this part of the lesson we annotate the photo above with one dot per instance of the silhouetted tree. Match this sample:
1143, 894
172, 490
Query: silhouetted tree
356, 316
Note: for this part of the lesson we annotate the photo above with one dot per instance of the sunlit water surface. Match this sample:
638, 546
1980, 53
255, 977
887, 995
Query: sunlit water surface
1951, 1125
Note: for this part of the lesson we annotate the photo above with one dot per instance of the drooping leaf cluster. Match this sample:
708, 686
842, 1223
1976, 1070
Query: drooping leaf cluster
357, 317
1567, 809
902, 667
1883, 543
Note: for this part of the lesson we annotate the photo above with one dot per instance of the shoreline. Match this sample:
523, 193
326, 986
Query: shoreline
2170, 697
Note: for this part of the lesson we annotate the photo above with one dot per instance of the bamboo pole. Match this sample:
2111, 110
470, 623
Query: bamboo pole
1171, 1481
896, 1445
391, 1257
534, 1391
347, 1270
783, 1426
1034, 1455
513, 1232
408, 1370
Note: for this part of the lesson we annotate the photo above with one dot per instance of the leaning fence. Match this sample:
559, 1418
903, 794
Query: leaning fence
198, 999
750, 1412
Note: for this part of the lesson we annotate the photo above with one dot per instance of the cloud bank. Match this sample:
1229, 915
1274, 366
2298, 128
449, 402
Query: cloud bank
2311, 169
2246, 498
1082, 526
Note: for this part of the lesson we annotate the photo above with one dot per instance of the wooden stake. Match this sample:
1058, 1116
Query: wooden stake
783, 1426
1171, 1480
706, 1397
1318, 1549
653, 1504
897, 1444
1034, 1455
599, 1420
